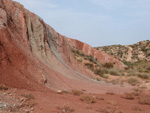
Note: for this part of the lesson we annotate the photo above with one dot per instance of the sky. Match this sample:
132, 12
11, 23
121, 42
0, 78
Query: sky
96, 22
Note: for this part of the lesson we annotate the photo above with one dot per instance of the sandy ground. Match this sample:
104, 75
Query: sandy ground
25, 101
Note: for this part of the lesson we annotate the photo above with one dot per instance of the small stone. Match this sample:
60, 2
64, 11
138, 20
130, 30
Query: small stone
22, 99
59, 92
10, 94
32, 109
64, 111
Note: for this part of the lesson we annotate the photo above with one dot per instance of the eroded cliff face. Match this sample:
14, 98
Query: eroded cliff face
99, 55
34, 56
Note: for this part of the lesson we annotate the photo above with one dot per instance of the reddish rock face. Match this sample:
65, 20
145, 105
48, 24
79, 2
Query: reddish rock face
34, 56
88, 50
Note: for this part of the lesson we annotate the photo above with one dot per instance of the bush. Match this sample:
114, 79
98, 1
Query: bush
114, 72
101, 72
90, 66
132, 80
88, 99
77, 52
3, 88
79, 60
76, 92
108, 65
129, 64
143, 76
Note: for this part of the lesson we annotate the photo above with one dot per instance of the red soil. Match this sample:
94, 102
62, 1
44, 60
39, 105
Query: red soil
34, 57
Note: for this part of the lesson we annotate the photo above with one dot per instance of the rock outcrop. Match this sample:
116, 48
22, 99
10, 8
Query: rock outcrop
34, 56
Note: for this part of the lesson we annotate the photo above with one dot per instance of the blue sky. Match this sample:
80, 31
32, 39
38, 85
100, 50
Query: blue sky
96, 22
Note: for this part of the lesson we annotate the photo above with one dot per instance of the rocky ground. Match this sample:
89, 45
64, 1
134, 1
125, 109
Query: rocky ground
15, 100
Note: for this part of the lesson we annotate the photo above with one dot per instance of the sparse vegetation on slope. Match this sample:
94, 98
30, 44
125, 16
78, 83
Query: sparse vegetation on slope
138, 51
94, 65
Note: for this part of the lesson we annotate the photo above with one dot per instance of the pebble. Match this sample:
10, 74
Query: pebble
32, 109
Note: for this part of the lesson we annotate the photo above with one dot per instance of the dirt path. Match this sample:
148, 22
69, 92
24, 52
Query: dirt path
129, 54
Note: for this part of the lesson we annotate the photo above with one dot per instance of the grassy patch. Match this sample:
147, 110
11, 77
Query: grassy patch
90, 66
132, 80
101, 72
112, 102
76, 92
88, 99
110, 93
143, 76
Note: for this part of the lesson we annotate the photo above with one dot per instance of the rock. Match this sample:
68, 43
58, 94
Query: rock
32, 109
59, 92
3, 18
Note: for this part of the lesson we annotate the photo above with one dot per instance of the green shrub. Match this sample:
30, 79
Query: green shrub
90, 66
101, 72
108, 65
129, 64
114, 72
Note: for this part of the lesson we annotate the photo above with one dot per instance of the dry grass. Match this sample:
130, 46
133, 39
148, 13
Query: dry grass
28, 96
110, 93
100, 98
132, 80
76, 92
65, 109
143, 76
137, 92
144, 99
129, 96
112, 102
108, 65
65, 91
3, 88
109, 110
88, 99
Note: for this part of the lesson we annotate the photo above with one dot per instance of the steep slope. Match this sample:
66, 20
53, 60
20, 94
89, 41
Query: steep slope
34, 56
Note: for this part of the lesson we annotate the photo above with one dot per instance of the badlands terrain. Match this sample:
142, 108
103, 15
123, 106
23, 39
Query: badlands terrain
42, 71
